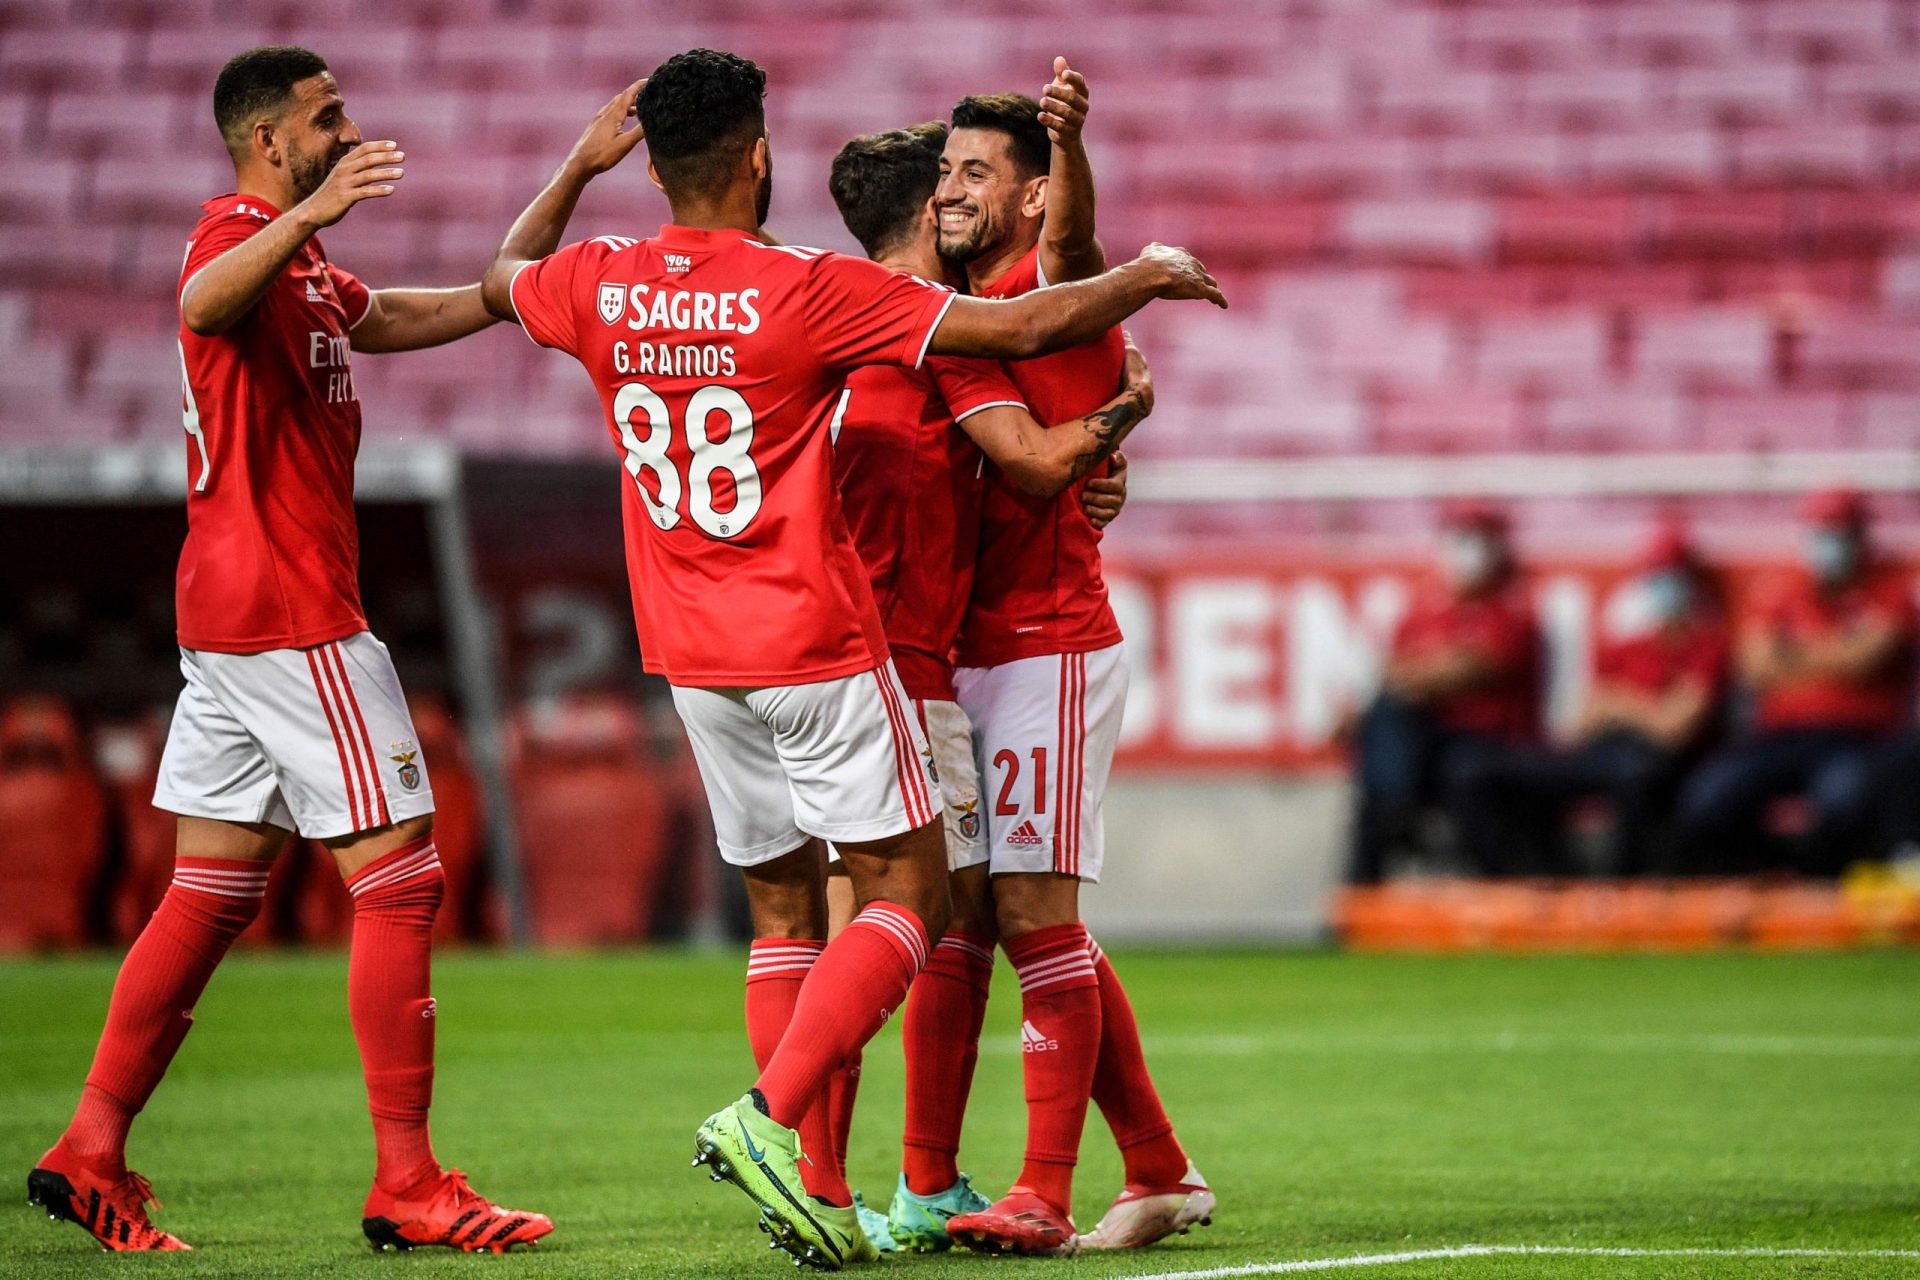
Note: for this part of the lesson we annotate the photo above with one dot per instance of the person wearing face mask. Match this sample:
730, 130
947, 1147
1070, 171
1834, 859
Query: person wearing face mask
1829, 659
1659, 687
1462, 687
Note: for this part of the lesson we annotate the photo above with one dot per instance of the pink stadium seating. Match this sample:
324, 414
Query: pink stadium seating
1447, 224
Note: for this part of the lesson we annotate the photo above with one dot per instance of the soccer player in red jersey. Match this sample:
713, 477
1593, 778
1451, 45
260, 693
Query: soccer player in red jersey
908, 459
1042, 677
719, 359
292, 717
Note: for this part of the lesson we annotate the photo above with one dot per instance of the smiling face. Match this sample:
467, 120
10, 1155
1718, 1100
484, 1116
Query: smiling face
983, 203
315, 132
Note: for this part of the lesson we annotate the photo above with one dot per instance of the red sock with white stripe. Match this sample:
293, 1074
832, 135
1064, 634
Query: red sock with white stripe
390, 999
776, 970
1123, 1089
210, 903
855, 986
940, 1036
1060, 1042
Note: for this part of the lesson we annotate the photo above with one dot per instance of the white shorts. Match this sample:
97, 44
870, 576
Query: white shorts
314, 740
840, 759
950, 735
1044, 733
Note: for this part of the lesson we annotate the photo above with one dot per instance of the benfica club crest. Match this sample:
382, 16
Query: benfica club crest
613, 300
409, 771
970, 820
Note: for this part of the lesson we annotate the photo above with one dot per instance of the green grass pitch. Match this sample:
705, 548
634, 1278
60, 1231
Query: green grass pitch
1341, 1105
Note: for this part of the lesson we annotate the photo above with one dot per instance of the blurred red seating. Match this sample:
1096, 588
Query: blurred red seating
594, 823
53, 827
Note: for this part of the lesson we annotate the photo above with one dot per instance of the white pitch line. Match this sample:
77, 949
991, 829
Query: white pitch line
1506, 1250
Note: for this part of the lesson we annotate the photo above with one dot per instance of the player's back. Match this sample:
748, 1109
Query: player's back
719, 361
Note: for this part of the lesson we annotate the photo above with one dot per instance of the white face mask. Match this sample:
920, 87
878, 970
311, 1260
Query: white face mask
1832, 554
1468, 559
1668, 594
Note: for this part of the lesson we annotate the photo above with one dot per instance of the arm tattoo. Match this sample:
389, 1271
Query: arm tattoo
1108, 427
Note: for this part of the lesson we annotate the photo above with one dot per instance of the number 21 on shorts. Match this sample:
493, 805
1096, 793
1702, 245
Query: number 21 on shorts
1006, 763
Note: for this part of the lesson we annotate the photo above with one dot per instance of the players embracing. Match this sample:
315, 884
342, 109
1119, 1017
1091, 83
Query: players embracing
1040, 683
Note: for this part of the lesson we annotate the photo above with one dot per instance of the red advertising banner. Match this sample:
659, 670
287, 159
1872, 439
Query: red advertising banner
1257, 661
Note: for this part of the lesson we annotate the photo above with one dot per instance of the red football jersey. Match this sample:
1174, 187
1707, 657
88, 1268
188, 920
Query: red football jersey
720, 361
1653, 661
1501, 627
272, 557
1800, 611
910, 482
1038, 588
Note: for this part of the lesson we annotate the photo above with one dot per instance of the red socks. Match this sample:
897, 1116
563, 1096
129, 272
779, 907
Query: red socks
1060, 1042
776, 970
941, 1039
389, 995
856, 984
1124, 1090
209, 904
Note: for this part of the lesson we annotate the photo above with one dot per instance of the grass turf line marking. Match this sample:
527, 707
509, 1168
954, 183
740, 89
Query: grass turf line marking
1508, 1250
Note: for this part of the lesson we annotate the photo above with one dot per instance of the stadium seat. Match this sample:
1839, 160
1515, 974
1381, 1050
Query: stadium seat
594, 825
53, 827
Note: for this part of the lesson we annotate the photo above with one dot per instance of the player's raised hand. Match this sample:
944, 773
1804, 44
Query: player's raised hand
367, 172
1063, 104
607, 141
1135, 377
1181, 274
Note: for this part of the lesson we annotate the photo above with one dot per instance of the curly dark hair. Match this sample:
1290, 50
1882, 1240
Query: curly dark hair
1017, 116
881, 182
702, 110
257, 83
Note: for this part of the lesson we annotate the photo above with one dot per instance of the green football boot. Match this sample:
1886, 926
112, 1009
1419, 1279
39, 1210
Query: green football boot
846, 1228
919, 1223
741, 1144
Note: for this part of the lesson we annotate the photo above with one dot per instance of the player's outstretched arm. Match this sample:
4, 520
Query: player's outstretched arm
537, 231
1044, 460
409, 319
1068, 315
224, 290
1068, 248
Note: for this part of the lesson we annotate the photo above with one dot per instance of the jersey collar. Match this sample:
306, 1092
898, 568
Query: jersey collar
696, 238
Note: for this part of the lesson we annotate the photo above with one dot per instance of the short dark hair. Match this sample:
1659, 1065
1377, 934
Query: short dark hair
1017, 116
259, 82
701, 109
881, 182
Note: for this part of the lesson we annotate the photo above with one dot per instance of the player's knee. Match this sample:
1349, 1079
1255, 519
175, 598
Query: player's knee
1025, 902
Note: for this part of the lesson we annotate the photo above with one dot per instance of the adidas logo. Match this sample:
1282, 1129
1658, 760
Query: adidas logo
313, 294
1024, 834
1031, 1041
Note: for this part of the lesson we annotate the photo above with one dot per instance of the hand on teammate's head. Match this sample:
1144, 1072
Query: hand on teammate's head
607, 140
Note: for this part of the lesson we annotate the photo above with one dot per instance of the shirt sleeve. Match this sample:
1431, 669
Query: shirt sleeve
355, 298
859, 312
213, 237
970, 385
543, 295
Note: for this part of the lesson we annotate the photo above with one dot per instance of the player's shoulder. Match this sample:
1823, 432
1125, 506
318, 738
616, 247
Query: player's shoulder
235, 209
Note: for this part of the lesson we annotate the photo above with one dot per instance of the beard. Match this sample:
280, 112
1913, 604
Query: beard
967, 246
309, 170
763, 198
